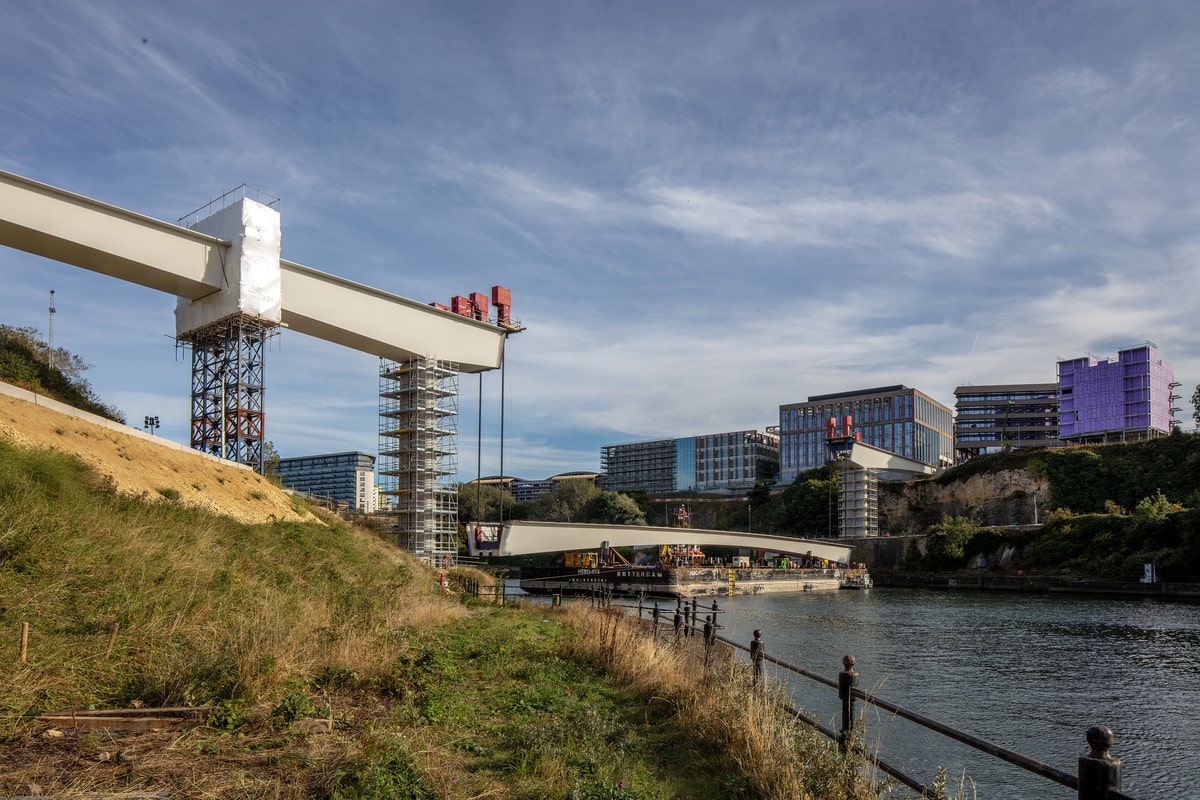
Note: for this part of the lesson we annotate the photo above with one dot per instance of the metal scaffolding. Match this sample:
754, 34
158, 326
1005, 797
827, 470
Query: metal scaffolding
418, 456
858, 500
228, 417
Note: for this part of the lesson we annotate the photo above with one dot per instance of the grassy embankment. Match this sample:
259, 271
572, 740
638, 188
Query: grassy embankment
430, 695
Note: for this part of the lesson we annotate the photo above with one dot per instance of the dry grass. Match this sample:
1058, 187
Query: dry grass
781, 758
141, 466
133, 603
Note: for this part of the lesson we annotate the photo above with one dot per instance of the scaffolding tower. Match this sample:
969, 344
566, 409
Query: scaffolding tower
228, 417
418, 456
858, 500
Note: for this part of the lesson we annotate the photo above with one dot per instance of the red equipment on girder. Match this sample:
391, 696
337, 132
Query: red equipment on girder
476, 306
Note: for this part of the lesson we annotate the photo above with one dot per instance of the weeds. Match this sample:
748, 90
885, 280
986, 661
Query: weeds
431, 697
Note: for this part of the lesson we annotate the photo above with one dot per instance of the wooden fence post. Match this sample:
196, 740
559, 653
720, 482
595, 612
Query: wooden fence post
24, 641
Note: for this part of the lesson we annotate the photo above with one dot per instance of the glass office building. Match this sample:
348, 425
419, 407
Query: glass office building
718, 462
345, 477
899, 419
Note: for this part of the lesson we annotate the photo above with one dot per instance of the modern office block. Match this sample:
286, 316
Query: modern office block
345, 477
990, 419
899, 419
1126, 398
718, 462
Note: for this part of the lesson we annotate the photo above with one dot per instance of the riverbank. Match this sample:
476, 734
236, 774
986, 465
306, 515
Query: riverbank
1038, 584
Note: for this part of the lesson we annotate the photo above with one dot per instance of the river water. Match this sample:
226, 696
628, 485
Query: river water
1027, 672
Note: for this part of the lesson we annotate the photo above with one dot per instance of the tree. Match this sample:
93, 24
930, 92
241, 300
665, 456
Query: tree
808, 507
480, 502
946, 542
25, 360
1196, 405
1156, 507
565, 502
614, 508
270, 458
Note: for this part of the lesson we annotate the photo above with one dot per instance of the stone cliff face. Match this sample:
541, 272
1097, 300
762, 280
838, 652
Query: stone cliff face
1000, 498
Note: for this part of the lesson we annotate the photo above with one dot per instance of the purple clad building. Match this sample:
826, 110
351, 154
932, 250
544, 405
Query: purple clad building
1124, 399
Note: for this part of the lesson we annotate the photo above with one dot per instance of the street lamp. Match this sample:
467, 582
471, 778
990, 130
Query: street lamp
150, 424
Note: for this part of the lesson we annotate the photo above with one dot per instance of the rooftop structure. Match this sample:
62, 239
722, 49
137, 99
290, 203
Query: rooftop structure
990, 419
1126, 398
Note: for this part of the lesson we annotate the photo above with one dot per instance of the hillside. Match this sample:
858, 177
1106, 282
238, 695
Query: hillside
140, 466
25, 361
153, 648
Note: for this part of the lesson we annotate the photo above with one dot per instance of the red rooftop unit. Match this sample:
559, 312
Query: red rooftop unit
502, 300
480, 301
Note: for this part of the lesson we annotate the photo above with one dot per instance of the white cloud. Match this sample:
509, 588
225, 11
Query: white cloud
793, 202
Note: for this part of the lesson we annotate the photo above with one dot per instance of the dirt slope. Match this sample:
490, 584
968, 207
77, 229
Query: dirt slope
139, 466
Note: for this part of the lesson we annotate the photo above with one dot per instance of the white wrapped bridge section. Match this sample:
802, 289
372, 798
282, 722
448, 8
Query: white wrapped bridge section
233, 266
523, 538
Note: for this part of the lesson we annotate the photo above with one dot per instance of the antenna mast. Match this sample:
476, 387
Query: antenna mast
50, 334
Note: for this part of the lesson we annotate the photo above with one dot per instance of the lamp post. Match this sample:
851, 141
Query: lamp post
150, 424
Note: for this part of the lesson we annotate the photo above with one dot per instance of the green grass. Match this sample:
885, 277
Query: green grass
268, 625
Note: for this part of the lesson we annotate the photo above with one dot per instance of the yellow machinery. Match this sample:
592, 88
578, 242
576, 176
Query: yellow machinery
589, 560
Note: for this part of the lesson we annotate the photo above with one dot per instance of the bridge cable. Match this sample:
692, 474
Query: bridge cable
503, 361
479, 456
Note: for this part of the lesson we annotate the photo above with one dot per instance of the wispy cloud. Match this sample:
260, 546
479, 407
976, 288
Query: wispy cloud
702, 215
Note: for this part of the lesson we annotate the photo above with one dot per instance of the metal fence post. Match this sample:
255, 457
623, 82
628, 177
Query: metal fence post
757, 654
1099, 770
847, 682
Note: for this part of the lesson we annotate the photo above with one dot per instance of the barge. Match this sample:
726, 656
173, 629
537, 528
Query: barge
590, 561
681, 581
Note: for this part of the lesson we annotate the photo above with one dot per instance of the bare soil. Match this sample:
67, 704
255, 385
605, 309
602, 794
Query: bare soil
141, 467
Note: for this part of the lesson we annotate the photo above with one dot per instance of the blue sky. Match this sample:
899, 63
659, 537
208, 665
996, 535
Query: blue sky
703, 210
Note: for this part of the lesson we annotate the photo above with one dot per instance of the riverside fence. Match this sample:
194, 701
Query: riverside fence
1099, 772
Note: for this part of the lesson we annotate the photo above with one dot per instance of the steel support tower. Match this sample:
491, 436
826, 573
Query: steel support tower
228, 416
418, 456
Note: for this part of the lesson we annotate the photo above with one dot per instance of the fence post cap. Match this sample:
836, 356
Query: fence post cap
848, 663
1100, 739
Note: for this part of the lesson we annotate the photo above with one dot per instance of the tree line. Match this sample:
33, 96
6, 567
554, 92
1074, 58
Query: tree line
806, 508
